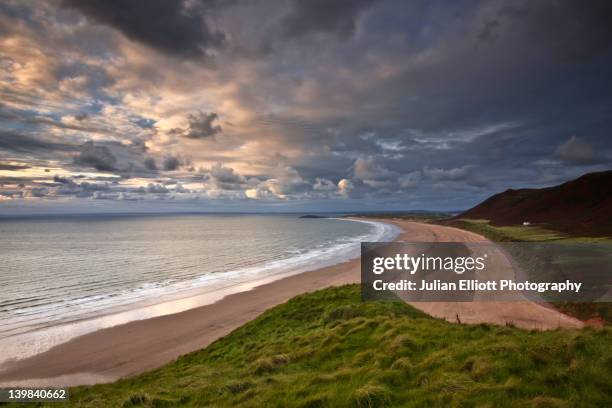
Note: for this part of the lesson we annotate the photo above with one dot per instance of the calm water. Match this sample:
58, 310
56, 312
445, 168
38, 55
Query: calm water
59, 276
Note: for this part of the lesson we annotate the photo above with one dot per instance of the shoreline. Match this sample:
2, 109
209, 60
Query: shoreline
61, 363
38, 340
109, 354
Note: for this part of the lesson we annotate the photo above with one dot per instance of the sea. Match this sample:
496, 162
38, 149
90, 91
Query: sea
64, 276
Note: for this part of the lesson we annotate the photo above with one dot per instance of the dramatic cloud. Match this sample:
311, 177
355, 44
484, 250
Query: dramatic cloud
570, 29
98, 157
174, 27
171, 163
225, 178
201, 126
298, 104
284, 182
372, 173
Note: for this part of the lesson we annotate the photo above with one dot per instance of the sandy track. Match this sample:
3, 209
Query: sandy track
134, 347
528, 315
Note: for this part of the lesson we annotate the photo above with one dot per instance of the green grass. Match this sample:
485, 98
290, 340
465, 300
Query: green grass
518, 233
330, 349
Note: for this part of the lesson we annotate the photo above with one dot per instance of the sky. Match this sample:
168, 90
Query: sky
295, 105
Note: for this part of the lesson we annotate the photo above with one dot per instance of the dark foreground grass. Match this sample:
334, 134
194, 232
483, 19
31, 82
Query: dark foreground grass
329, 349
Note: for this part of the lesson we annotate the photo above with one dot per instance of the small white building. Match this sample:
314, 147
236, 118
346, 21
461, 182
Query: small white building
526, 223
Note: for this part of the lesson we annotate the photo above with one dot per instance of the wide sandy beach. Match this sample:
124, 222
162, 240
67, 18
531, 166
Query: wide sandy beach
134, 347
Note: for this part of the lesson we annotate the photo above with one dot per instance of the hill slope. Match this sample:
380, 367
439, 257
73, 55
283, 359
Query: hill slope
579, 207
329, 349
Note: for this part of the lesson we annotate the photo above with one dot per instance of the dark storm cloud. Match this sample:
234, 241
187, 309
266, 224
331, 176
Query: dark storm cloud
518, 64
452, 117
99, 157
173, 27
571, 29
171, 163
201, 125
126, 158
312, 16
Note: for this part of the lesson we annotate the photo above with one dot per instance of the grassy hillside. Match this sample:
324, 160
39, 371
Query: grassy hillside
329, 349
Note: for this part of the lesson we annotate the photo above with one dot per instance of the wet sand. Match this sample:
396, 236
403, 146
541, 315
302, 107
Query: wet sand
138, 346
